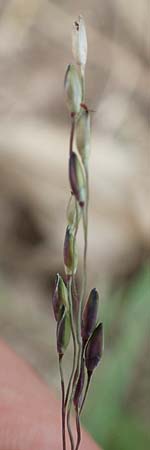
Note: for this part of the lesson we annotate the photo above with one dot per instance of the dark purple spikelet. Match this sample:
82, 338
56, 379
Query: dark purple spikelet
79, 388
94, 349
72, 174
68, 248
90, 315
77, 179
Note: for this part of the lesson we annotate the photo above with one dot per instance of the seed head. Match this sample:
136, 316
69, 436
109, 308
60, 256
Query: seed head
77, 179
63, 331
79, 41
83, 134
90, 315
94, 349
60, 296
73, 89
70, 252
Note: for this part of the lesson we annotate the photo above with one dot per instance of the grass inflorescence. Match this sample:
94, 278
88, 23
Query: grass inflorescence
76, 316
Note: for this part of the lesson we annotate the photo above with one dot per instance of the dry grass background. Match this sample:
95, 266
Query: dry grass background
35, 47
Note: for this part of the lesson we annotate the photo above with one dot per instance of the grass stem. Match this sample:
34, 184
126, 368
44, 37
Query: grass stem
63, 403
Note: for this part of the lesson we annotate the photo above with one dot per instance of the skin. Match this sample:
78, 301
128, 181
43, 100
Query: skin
29, 411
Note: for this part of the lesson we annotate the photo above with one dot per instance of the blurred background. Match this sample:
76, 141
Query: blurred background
35, 47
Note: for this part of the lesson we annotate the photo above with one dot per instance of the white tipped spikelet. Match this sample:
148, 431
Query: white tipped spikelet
79, 42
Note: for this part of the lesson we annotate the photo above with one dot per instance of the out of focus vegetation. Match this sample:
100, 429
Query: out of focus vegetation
117, 411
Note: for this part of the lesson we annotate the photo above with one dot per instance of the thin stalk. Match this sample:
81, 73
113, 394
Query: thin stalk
85, 393
79, 340
75, 297
79, 354
71, 311
74, 286
63, 403
85, 228
75, 292
78, 430
74, 342
72, 133
78, 411
86, 216
83, 292
69, 286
